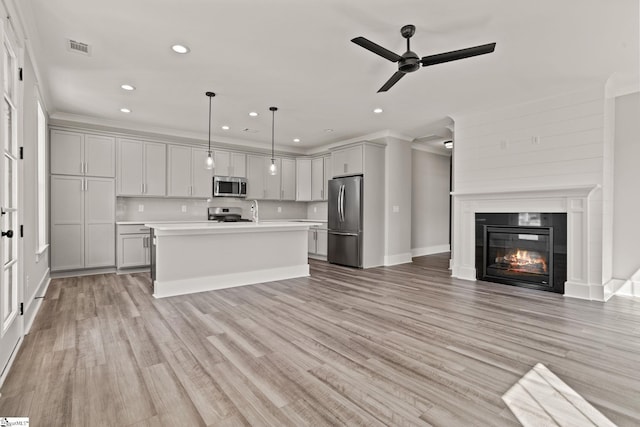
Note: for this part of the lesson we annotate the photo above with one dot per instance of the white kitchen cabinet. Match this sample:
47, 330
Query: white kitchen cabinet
288, 181
229, 163
201, 177
317, 242
264, 186
347, 161
327, 177
133, 246
82, 222
272, 183
317, 178
303, 180
178, 171
255, 177
74, 153
142, 168
187, 175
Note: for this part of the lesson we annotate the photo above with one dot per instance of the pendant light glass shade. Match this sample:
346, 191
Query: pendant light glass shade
273, 169
209, 164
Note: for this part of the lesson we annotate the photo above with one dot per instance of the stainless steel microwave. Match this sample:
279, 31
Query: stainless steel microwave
229, 186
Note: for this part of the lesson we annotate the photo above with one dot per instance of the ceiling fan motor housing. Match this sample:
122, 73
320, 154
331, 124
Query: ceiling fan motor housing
410, 62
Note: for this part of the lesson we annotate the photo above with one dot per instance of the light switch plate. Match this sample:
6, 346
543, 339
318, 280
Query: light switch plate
396, 209
140, 208
184, 208
279, 209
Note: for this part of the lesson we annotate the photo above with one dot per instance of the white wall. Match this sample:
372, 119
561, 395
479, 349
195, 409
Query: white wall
397, 201
36, 266
429, 203
626, 210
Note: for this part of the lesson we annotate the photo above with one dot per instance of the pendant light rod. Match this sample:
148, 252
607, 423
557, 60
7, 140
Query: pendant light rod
273, 170
209, 163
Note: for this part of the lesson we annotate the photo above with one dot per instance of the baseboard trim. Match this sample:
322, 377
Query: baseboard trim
12, 359
430, 250
463, 272
397, 259
34, 305
223, 281
592, 292
78, 273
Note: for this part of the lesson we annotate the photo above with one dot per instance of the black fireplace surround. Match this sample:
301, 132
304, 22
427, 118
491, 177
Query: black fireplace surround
526, 249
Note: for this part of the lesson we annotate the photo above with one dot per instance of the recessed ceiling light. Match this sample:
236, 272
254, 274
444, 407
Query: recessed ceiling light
225, 127
125, 110
127, 87
178, 48
253, 114
328, 130
296, 139
377, 110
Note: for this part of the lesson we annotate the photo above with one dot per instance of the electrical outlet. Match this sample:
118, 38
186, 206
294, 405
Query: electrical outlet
140, 208
535, 140
279, 209
315, 209
503, 144
184, 208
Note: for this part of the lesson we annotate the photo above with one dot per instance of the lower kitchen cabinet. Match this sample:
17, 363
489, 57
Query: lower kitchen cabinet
133, 246
82, 222
317, 242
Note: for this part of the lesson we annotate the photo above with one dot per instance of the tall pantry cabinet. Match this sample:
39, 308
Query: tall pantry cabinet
82, 200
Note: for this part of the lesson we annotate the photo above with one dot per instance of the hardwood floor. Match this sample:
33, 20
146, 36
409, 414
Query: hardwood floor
402, 345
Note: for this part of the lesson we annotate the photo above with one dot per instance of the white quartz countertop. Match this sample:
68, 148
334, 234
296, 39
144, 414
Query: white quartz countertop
185, 228
164, 222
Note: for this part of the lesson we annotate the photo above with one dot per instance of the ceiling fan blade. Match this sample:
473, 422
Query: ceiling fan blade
377, 49
393, 80
457, 54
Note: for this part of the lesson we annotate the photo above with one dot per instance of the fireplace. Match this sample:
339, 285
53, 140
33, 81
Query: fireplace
523, 249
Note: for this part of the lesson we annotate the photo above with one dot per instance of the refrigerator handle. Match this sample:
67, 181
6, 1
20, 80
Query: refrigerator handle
342, 203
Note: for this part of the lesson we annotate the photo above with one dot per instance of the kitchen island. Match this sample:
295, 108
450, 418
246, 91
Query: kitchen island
197, 257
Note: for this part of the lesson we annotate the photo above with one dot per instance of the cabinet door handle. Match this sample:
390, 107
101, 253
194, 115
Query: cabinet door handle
321, 194
345, 168
86, 168
281, 194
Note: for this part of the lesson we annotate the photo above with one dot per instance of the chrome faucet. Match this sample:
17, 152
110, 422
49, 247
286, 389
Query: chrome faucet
254, 211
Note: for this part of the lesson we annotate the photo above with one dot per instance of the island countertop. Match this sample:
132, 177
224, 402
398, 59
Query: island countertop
186, 228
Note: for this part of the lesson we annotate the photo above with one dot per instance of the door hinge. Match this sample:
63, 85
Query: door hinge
21, 153
21, 309
21, 230
20, 74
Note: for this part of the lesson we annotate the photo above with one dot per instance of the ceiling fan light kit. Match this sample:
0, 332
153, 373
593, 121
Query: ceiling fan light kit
409, 61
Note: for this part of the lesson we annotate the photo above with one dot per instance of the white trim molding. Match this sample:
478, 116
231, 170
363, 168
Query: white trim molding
430, 250
396, 259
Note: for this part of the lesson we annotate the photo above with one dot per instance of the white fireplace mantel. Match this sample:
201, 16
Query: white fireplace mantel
584, 226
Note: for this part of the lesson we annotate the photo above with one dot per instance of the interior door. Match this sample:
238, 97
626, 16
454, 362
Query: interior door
11, 325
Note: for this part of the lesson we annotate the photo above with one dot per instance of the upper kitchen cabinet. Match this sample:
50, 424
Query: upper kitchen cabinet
303, 180
347, 161
327, 177
317, 179
187, 174
288, 182
228, 163
82, 154
261, 184
142, 168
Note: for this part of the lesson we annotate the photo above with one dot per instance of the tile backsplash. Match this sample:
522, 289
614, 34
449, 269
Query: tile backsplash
165, 209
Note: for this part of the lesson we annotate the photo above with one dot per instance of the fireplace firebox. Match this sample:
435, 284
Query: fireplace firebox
523, 249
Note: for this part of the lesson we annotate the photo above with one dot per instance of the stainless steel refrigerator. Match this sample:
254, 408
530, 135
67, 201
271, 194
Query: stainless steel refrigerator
345, 221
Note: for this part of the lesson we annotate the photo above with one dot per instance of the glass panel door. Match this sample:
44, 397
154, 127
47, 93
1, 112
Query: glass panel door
10, 322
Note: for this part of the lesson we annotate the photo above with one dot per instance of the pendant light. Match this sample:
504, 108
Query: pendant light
209, 162
273, 169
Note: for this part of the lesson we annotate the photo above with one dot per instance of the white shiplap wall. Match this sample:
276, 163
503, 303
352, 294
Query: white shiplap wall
498, 150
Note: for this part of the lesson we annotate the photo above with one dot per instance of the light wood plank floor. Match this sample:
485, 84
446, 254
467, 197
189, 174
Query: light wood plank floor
402, 345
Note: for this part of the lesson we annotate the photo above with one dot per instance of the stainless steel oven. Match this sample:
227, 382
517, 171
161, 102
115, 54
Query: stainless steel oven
229, 186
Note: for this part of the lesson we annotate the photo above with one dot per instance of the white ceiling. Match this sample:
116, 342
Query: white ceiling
297, 55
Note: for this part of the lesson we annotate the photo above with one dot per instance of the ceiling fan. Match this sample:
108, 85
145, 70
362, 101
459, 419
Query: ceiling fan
409, 61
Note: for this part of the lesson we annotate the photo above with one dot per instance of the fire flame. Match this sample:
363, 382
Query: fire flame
525, 260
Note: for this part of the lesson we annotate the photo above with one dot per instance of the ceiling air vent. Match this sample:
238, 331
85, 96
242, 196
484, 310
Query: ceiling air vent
78, 47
